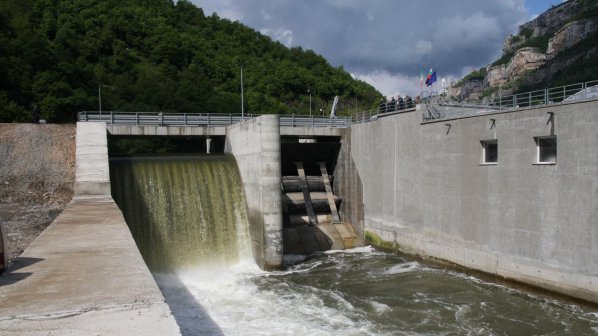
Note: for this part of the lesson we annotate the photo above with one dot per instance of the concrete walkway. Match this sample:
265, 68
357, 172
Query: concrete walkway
83, 276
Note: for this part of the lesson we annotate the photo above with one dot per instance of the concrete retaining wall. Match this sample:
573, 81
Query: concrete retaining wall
255, 144
424, 187
92, 175
347, 185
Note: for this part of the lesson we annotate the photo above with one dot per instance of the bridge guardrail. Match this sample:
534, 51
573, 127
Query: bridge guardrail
202, 119
307, 121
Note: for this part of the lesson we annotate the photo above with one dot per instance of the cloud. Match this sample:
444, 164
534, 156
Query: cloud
385, 39
284, 36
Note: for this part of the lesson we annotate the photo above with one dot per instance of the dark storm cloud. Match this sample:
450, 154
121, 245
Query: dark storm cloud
398, 38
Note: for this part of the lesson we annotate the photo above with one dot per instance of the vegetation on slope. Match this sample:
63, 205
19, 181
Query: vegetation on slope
154, 55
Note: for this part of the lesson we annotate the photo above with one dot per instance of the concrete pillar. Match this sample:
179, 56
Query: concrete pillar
255, 143
208, 143
271, 191
92, 175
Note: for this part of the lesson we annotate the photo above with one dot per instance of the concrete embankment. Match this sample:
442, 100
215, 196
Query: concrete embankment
427, 188
83, 276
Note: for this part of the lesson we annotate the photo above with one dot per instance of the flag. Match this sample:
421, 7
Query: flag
421, 78
431, 78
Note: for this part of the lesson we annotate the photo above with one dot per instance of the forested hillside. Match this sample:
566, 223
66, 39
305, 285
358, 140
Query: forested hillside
154, 55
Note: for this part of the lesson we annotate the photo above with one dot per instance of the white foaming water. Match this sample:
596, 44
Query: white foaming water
365, 249
230, 302
404, 268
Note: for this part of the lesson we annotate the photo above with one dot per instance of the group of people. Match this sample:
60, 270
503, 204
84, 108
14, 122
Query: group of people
397, 104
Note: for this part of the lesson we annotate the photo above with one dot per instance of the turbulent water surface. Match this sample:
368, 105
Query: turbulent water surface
362, 293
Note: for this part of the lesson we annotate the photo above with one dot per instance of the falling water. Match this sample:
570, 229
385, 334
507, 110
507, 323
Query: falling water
183, 210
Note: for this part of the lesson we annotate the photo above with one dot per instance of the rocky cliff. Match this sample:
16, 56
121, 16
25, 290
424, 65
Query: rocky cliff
550, 50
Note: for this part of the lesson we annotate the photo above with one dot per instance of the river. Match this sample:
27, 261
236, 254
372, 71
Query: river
362, 292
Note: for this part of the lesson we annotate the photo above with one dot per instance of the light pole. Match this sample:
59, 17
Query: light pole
100, 96
242, 106
309, 91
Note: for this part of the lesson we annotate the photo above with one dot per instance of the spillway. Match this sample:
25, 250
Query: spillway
183, 211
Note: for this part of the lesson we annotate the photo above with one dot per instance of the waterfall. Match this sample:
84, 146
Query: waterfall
183, 211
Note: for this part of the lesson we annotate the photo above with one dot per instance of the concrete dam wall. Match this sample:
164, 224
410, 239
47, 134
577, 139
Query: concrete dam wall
489, 192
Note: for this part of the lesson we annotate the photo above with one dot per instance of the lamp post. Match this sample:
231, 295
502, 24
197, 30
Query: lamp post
242, 105
309, 91
100, 96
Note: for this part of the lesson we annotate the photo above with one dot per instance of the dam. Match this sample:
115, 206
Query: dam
417, 187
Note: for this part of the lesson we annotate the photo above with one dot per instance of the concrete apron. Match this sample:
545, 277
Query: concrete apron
84, 275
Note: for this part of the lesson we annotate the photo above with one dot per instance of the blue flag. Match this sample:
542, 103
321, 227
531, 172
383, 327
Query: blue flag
431, 79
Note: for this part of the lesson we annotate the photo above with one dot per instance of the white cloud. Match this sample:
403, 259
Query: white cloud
423, 47
284, 36
386, 41
391, 85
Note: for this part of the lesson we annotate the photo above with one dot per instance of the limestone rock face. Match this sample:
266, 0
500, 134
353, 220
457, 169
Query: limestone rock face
521, 64
569, 35
525, 59
496, 75
471, 87
551, 20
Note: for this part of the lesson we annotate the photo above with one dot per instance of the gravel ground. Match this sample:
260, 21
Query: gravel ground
37, 174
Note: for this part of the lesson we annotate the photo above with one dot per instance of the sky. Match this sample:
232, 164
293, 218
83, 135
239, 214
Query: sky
389, 43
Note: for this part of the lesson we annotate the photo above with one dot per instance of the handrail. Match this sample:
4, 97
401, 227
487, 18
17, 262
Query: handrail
438, 107
202, 119
573, 92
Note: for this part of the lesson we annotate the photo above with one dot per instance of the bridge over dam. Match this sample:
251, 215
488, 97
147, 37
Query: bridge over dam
508, 193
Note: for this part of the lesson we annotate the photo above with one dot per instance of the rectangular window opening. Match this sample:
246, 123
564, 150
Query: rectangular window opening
489, 151
546, 150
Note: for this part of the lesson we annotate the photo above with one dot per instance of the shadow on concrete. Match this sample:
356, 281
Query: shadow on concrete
11, 277
191, 317
21, 262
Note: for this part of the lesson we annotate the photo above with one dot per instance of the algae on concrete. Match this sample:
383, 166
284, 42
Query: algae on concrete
376, 241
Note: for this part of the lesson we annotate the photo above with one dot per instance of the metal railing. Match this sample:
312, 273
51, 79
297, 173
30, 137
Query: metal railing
578, 91
574, 92
202, 119
371, 115
311, 121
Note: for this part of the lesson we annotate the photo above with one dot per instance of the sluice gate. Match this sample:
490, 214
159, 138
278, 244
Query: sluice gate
311, 220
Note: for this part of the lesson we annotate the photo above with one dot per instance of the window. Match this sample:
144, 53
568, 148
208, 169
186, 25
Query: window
489, 152
546, 150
